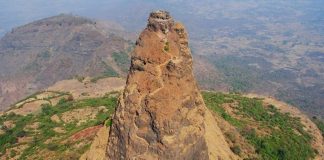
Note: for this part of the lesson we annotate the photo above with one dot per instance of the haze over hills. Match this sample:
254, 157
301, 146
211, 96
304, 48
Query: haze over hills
38, 54
267, 47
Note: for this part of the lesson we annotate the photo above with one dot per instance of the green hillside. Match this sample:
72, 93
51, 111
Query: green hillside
274, 135
52, 137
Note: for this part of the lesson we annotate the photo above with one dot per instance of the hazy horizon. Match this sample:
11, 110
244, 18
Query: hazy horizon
132, 14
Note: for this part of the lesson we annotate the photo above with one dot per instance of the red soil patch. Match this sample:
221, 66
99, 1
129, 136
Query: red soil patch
88, 132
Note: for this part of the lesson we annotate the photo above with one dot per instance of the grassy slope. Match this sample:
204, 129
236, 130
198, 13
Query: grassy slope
320, 124
284, 136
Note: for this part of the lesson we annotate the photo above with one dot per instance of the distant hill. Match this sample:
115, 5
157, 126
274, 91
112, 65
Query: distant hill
38, 54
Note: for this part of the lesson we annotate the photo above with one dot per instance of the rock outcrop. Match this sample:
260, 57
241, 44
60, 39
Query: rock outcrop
161, 112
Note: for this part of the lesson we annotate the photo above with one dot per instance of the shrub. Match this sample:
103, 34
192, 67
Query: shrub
102, 116
12, 153
11, 115
61, 101
52, 147
47, 109
166, 47
21, 133
109, 123
230, 136
320, 124
79, 78
236, 150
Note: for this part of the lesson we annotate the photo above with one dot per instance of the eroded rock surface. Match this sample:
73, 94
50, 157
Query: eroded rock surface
161, 112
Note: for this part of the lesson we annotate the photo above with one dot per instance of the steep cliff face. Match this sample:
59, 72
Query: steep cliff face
161, 112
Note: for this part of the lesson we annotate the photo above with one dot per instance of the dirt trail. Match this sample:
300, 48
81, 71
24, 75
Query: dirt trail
159, 68
159, 76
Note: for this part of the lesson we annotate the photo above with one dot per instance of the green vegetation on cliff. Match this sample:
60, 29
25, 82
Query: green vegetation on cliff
41, 133
319, 123
122, 60
274, 135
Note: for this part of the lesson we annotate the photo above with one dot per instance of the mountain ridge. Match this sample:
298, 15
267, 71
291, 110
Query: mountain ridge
38, 54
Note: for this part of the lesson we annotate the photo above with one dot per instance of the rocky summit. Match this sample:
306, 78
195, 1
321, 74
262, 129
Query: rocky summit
161, 111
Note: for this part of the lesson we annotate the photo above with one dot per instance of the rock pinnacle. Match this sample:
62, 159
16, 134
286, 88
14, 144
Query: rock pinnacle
160, 114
